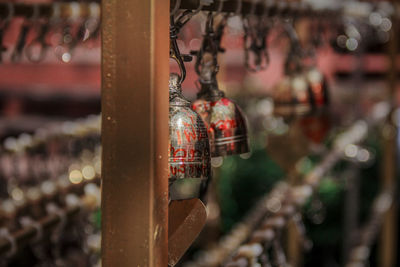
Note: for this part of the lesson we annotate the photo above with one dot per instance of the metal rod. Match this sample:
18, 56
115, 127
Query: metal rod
360, 252
283, 8
135, 131
64, 10
25, 236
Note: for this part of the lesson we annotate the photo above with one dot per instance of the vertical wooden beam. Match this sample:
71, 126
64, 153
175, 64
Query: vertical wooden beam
388, 240
135, 71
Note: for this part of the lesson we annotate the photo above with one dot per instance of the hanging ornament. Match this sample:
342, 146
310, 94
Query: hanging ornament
223, 118
189, 150
293, 97
319, 87
317, 124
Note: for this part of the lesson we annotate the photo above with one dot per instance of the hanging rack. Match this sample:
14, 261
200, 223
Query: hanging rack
13, 242
245, 7
61, 10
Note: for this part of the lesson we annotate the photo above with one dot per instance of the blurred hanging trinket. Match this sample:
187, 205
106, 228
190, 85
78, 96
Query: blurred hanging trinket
224, 120
317, 124
189, 150
319, 87
293, 96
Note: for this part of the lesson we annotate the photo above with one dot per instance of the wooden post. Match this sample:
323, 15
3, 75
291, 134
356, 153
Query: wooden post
388, 240
135, 72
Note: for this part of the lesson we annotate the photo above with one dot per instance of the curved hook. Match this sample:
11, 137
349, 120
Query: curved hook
174, 52
209, 45
199, 7
4, 25
239, 5
253, 7
10, 12
220, 6
255, 40
293, 60
16, 55
176, 7
39, 41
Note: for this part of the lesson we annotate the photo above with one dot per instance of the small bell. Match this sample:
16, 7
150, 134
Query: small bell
317, 124
189, 150
225, 122
223, 118
319, 87
293, 97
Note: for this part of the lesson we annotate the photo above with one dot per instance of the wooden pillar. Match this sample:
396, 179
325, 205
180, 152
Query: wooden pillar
388, 239
135, 71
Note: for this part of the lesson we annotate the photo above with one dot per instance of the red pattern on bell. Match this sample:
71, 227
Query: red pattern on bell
189, 150
224, 120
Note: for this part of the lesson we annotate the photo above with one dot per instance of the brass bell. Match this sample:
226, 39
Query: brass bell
225, 122
189, 149
319, 87
317, 124
293, 97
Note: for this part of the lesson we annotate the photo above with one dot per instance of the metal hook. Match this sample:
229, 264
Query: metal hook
255, 40
174, 52
29, 222
35, 12
199, 7
10, 13
4, 233
239, 4
220, 6
56, 11
3, 27
293, 60
16, 55
40, 42
253, 7
210, 46
176, 8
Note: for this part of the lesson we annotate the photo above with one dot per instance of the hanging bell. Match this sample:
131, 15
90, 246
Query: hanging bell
189, 150
225, 122
293, 97
319, 87
317, 124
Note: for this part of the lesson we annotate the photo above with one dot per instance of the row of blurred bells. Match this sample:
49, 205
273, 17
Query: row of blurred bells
50, 174
213, 126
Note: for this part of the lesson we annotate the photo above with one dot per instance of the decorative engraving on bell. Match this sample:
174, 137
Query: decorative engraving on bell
225, 122
189, 150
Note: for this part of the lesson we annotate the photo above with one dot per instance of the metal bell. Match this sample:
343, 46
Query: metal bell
225, 122
293, 97
319, 87
189, 150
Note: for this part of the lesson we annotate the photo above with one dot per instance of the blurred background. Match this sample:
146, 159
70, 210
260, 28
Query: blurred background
344, 87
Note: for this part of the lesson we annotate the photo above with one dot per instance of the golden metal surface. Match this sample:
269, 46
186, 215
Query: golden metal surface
135, 70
